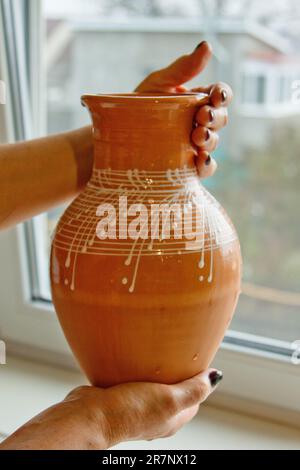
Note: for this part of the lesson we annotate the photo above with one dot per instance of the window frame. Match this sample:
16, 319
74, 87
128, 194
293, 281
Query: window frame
256, 369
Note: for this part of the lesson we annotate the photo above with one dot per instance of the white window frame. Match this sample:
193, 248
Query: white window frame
257, 379
26, 323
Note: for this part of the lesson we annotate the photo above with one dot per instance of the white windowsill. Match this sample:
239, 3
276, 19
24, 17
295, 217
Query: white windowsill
28, 387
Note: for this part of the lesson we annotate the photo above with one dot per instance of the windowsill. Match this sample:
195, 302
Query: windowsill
28, 387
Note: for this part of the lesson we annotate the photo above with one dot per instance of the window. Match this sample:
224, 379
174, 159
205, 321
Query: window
266, 84
70, 74
257, 181
253, 87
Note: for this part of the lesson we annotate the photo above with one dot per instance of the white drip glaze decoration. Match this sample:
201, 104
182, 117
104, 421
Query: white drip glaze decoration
76, 231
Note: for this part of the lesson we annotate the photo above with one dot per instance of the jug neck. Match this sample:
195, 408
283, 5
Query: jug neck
145, 132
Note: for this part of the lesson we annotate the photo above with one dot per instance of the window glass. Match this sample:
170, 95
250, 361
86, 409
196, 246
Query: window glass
109, 46
260, 89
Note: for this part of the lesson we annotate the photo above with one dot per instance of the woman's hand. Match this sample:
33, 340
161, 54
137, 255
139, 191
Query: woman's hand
95, 418
211, 117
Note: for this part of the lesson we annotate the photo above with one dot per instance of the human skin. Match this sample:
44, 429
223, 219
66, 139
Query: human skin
40, 174
92, 418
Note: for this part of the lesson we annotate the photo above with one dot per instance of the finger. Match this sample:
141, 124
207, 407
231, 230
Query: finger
186, 415
205, 164
182, 70
220, 93
205, 139
203, 89
213, 118
187, 67
181, 89
194, 391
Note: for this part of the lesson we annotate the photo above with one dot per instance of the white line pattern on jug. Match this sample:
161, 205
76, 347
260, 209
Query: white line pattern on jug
76, 232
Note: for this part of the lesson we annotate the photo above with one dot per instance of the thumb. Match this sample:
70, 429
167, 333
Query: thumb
194, 391
182, 70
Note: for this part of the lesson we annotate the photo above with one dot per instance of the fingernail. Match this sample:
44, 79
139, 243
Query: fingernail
207, 134
200, 45
215, 377
208, 160
211, 115
223, 96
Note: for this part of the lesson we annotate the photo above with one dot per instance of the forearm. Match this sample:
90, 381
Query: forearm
60, 427
42, 173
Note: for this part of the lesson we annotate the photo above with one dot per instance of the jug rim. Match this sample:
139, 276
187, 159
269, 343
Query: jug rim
190, 97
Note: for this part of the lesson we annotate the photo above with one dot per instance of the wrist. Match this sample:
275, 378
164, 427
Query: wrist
81, 142
90, 429
115, 421
110, 429
101, 424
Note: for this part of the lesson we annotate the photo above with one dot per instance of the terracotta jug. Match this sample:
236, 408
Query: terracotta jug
137, 304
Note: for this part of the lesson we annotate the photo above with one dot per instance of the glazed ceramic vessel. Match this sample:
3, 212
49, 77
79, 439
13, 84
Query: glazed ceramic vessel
145, 264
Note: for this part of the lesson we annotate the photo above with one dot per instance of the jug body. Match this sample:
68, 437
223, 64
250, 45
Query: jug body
145, 263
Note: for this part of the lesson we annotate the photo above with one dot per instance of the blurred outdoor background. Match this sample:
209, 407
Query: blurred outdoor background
98, 46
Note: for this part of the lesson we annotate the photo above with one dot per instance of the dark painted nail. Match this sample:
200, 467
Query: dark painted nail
223, 96
207, 134
211, 115
200, 45
208, 160
215, 377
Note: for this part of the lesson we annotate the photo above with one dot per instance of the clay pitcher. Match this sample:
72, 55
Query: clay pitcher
145, 264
